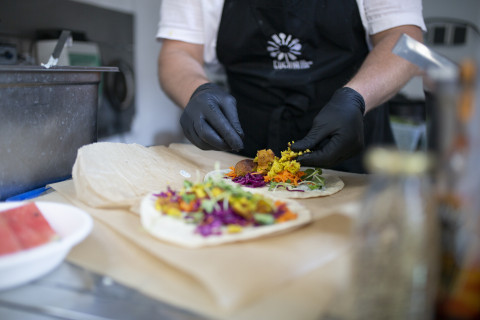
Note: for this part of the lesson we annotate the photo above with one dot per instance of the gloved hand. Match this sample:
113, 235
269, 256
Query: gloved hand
337, 131
210, 119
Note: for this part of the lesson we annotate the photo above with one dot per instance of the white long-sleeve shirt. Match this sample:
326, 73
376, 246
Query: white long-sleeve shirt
197, 21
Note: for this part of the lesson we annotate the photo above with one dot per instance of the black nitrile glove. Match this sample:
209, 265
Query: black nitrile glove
210, 119
337, 131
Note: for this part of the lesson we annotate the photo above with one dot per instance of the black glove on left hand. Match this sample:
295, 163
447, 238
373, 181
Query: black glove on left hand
337, 131
210, 119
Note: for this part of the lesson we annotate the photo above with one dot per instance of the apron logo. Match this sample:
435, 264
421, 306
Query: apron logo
285, 51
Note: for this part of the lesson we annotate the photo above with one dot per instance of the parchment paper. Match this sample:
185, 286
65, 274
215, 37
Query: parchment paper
230, 281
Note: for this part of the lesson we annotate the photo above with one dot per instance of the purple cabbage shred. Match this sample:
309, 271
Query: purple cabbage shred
213, 221
252, 180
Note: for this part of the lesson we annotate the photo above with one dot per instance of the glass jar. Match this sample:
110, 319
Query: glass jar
395, 240
458, 189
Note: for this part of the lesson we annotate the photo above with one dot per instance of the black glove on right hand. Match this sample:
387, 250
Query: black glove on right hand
210, 119
337, 131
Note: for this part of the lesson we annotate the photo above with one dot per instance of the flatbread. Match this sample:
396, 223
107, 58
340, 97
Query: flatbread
333, 184
178, 232
116, 175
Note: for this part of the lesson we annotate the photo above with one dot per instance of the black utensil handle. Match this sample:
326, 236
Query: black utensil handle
61, 43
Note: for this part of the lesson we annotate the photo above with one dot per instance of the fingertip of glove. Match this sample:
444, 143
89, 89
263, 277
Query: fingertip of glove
236, 144
299, 146
237, 148
305, 160
305, 155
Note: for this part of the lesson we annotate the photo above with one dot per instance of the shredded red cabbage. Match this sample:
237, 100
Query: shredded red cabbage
281, 209
297, 190
166, 194
209, 229
252, 180
212, 222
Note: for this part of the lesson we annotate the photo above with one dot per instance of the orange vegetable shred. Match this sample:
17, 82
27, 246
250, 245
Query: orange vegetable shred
287, 214
188, 207
286, 176
232, 173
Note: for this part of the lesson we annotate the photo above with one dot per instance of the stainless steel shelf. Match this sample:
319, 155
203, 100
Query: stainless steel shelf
71, 292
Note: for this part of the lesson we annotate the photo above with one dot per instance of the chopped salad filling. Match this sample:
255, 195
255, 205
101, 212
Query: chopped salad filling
216, 207
277, 173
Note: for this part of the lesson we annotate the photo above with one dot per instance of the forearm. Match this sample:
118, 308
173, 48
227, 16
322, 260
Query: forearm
180, 70
383, 73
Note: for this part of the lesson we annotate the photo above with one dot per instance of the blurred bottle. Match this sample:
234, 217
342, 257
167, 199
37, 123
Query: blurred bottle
395, 240
458, 192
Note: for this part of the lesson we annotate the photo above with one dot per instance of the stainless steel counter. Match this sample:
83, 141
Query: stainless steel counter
71, 292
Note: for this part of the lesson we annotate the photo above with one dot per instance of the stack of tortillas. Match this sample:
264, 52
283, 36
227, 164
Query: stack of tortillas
113, 175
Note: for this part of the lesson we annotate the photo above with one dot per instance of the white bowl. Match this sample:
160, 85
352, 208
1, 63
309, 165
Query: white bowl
70, 223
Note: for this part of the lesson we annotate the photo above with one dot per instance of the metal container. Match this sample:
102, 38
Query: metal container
45, 116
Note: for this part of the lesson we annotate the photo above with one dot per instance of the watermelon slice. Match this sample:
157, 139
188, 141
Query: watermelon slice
8, 240
29, 225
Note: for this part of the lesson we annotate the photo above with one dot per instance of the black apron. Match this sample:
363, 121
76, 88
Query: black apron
284, 59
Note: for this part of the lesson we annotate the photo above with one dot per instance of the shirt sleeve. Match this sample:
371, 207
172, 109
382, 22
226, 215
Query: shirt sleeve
181, 20
380, 15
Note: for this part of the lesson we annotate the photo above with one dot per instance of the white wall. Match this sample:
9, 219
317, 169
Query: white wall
458, 9
467, 10
157, 119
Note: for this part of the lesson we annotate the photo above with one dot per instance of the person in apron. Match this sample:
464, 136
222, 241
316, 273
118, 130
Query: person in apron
287, 63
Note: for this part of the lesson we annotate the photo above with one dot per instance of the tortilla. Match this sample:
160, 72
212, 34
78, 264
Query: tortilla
333, 184
119, 175
177, 231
